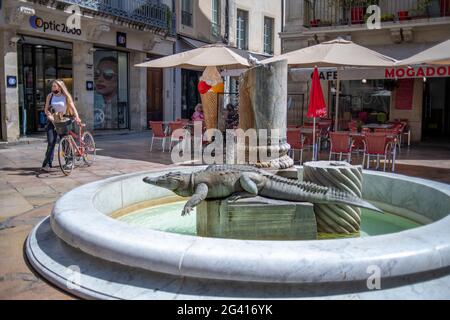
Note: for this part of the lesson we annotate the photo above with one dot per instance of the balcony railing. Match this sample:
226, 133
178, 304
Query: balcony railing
323, 13
146, 12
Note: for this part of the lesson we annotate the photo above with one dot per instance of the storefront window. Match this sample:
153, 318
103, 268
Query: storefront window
40, 61
111, 109
367, 100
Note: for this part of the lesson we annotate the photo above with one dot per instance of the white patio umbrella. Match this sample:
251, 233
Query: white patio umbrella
335, 53
214, 55
439, 54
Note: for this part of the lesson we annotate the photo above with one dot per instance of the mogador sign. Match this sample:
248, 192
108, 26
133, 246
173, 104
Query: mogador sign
419, 72
302, 74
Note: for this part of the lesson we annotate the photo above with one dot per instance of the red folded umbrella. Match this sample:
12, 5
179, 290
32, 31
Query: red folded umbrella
317, 107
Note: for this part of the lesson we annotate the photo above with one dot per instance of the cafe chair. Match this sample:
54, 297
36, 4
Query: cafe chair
377, 145
295, 140
158, 133
175, 136
340, 145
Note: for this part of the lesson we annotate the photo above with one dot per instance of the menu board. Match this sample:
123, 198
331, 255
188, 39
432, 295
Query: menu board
404, 94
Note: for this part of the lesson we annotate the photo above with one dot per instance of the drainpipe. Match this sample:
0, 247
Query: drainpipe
282, 15
227, 22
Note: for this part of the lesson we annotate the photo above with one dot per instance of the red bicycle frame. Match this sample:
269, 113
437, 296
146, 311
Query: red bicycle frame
80, 149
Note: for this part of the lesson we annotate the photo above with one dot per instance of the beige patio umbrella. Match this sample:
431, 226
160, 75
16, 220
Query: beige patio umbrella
204, 58
214, 55
336, 53
439, 54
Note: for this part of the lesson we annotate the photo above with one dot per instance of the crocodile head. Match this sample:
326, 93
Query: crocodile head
172, 181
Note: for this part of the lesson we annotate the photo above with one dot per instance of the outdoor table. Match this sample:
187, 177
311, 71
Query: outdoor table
374, 126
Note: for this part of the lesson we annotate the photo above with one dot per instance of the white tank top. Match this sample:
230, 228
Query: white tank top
59, 103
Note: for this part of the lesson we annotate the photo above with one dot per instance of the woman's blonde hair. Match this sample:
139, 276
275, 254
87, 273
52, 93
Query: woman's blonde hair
65, 92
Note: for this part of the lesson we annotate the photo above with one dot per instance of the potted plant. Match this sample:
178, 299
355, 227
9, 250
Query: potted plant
420, 12
314, 22
388, 17
403, 15
325, 23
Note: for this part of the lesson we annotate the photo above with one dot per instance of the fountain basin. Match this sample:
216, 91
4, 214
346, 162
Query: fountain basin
81, 218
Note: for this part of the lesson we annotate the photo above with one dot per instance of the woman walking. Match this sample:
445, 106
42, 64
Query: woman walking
59, 102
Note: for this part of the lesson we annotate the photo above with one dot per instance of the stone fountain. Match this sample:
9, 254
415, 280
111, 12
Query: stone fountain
263, 245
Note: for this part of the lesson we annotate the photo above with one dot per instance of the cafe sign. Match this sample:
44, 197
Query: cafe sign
327, 74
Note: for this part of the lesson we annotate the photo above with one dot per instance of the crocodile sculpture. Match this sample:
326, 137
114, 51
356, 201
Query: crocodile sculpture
238, 181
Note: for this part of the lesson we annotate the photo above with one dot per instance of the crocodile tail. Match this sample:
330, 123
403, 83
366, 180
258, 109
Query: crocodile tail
341, 197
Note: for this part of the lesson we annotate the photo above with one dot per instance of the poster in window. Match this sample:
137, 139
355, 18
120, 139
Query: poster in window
106, 89
404, 94
121, 39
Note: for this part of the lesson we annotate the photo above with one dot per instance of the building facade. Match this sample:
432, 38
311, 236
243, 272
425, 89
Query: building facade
421, 95
252, 25
93, 46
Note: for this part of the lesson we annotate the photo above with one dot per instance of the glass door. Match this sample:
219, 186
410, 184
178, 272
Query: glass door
39, 65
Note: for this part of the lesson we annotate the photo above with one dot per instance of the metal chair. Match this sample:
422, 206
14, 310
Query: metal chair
376, 144
295, 140
174, 134
341, 144
158, 134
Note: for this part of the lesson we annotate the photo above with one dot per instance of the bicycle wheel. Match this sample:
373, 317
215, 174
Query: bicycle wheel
89, 148
66, 155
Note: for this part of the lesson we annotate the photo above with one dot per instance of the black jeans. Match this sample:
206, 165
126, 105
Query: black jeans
52, 138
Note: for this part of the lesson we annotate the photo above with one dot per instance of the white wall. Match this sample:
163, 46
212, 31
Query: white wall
257, 9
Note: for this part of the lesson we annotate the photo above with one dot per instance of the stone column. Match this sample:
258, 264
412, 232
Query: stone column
83, 70
263, 106
138, 92
332, 218
9, 97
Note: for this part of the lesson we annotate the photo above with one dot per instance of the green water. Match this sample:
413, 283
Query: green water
167, 218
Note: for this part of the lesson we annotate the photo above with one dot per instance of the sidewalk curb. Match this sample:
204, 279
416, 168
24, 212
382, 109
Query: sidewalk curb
6, 144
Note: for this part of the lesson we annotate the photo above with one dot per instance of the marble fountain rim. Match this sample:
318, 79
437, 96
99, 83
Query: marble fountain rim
77, 221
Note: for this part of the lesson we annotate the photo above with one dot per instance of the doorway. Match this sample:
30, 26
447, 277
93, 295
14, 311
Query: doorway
190, 96
154, 95
436, 110
40, 61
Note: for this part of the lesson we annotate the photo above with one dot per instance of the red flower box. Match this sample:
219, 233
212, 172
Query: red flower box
403, 15
357, 15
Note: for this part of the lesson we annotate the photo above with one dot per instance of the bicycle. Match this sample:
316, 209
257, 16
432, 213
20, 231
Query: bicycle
68, 149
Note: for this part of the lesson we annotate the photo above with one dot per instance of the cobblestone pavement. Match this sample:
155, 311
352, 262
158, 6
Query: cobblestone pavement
27, 194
